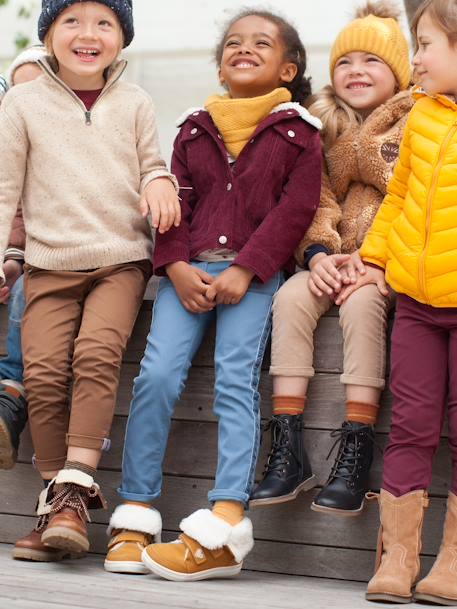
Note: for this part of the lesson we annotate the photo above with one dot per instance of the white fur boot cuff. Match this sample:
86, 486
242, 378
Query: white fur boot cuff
213, 532
136, 518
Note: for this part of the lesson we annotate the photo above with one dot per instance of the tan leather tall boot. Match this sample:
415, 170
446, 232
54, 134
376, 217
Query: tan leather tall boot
440, 585
399, 545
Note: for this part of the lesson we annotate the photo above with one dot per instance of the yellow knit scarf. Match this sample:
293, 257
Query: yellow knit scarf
237, 119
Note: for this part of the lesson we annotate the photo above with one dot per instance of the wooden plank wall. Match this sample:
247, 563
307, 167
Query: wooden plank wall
290, 538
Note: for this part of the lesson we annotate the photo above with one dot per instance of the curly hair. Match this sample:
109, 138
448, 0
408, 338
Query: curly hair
295, 52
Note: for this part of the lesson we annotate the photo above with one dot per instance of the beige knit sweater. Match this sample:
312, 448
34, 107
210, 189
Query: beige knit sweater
79, 174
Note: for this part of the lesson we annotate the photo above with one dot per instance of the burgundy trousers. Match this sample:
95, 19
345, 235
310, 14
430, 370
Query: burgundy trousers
423, 384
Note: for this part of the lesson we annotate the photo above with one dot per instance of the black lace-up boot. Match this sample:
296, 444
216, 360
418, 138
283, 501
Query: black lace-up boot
13, 417
344, 491
287, 471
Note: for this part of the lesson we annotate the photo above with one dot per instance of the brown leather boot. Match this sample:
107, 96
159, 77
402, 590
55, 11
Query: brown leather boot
440, 585
75, 492
31, 547
399, 545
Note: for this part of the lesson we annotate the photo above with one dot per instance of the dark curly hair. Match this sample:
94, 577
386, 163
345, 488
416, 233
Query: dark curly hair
300, 87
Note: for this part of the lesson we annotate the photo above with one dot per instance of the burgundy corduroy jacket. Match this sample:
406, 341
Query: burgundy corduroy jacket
259, 207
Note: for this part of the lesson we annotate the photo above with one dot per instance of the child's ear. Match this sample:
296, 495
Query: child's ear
221, 78
288, 72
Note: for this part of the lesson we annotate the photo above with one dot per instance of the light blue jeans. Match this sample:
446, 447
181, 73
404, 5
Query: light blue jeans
242, 331
11, 366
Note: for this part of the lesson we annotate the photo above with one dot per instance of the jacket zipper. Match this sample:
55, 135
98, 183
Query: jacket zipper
87, 113
430, 197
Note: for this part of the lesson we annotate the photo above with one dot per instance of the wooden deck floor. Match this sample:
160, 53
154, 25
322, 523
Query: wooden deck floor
83, 584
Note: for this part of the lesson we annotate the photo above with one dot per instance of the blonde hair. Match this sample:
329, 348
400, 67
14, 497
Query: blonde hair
333, 112
443, 13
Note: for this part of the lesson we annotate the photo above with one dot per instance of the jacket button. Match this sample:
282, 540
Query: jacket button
195, 113
291, 133
219, 136
223, 239
194, 131
229, 186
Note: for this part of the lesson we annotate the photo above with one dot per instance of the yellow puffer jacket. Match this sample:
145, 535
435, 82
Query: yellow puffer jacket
414, 234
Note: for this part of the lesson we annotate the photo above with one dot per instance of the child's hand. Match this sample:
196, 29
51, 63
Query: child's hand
12, 270
372, 275
230, 286
324, 276
352, 268
160, 198
191, 284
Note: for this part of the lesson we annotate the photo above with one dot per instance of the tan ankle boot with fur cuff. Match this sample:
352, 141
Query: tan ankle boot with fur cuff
440, 585
399, 545
209, 547
131, 529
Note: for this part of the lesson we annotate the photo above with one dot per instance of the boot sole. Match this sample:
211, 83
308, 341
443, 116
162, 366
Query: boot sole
337, 511
65, 539
42, 556
7, 451
390, 598
126, 566
306, 485
438, 600
176, 576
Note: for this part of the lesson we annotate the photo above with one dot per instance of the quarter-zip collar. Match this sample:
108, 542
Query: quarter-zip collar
114, 72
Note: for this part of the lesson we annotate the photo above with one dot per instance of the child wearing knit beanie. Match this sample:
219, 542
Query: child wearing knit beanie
363, 114
80, 150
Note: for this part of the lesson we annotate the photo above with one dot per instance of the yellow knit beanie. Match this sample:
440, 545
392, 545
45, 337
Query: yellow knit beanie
373, 31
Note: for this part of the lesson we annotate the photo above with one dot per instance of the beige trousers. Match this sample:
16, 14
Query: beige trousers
363, 319
75, 328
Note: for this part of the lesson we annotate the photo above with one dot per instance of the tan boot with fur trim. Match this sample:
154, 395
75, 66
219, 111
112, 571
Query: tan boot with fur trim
131, 529
399, 545
208, 548
440, 585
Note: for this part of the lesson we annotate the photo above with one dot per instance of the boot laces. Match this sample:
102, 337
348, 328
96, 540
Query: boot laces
75, 497
42, 523
349, 458
280, 451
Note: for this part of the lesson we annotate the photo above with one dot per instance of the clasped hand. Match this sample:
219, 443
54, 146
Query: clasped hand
200, 292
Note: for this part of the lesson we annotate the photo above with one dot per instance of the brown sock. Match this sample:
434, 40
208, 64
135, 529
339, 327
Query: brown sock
288, 404
230, 511
81, 467
362, 412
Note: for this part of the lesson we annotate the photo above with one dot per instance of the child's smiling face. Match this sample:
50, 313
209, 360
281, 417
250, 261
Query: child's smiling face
86, 38
435, 61
364, 81
253, 61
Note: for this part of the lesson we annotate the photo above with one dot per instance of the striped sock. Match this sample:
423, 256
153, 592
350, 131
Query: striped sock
288, 404
362, 412
81, 467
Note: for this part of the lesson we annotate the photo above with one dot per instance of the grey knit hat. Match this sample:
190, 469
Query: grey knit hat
51, 9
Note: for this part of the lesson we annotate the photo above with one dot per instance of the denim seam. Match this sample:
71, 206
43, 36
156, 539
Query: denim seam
255, 370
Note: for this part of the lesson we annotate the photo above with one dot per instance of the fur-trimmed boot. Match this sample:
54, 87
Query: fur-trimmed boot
208, 547
131, 529
440, 585
74, 493
31, 547
399, 545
